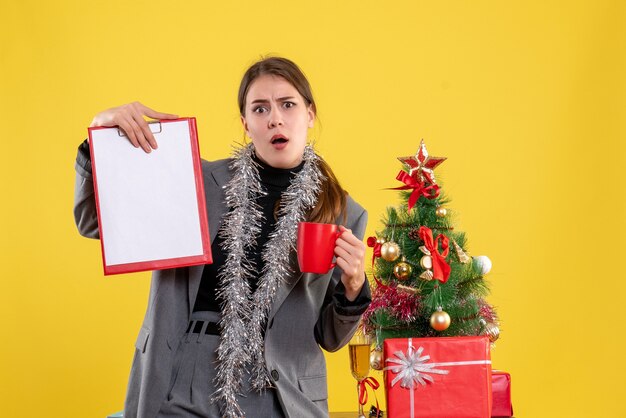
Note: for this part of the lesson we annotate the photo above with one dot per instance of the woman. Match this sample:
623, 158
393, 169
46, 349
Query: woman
242, 336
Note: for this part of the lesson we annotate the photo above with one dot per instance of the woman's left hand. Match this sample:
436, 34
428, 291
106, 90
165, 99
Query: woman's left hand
350, 255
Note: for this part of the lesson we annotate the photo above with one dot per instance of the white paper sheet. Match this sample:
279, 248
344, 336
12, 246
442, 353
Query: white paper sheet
148, 202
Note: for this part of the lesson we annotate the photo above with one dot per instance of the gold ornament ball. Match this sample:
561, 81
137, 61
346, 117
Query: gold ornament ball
376, 359
441, 212
440, 320
492, 331
390, 251
402, 270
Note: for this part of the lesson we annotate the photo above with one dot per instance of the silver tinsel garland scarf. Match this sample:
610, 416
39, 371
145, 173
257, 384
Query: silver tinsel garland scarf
244, 314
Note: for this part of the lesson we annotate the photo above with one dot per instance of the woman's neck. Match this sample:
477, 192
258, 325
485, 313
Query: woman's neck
277, 177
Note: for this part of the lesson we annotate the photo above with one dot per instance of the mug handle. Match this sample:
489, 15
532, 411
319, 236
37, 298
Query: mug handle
337, 235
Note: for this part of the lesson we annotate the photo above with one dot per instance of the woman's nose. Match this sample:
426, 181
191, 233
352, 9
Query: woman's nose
275, 120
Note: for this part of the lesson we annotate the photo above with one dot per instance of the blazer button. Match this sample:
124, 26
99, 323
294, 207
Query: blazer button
274, 374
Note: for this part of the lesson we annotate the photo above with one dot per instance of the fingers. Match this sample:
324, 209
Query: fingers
145, 132
130, 118
352, 258
350, 271
350, 243
351, 265
137, 128
348, 236
151, 113
342, 253
352, 278
126, 126
350, 253
144, 135
136, 134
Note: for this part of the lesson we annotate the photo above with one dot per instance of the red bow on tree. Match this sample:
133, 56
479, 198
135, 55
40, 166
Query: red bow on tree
419, 188
441, 269
371, 242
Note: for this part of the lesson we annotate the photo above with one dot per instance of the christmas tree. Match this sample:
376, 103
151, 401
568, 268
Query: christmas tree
426, 283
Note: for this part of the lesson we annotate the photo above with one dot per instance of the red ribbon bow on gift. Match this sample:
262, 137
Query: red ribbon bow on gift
371, 242
418, 187
441, 269
373, 383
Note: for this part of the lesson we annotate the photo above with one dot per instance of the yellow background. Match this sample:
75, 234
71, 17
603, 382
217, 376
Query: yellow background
526, 100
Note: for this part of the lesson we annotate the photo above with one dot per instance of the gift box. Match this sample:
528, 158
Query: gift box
446, 377
501, 394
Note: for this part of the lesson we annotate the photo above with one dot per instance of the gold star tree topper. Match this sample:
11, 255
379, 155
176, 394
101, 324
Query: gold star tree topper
421, 165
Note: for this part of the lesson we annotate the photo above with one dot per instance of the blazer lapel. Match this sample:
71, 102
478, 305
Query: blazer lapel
216, 208
285, 287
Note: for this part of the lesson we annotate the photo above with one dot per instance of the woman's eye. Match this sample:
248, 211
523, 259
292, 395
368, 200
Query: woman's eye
259, 109
289, 104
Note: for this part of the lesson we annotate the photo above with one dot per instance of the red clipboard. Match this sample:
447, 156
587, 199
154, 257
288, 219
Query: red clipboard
151, 207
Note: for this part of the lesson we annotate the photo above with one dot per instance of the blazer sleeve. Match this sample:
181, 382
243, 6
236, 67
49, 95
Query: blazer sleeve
85, 215
339, 318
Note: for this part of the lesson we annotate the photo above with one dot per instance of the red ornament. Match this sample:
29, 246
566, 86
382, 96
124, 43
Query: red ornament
421, 165
376, 245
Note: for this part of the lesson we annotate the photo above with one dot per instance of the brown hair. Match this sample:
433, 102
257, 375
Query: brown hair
331, 202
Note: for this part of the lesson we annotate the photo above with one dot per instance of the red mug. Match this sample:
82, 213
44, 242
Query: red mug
316, 246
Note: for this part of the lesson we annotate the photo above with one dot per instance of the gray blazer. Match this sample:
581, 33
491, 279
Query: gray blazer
303, 317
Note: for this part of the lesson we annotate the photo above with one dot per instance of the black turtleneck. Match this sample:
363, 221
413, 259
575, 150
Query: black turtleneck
274, 181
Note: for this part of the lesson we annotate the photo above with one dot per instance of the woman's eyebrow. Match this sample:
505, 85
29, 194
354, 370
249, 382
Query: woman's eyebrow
280, 99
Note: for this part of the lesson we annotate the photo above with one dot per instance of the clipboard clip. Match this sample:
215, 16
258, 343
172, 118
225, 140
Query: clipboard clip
155, 128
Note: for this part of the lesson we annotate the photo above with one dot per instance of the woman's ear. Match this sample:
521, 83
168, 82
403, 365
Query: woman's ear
311, 114
245, 125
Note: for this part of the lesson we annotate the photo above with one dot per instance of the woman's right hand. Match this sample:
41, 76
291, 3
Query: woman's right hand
129, 118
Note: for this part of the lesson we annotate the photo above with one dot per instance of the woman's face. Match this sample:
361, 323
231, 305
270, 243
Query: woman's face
277, 120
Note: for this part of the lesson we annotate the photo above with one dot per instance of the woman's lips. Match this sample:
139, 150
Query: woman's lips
279, 141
